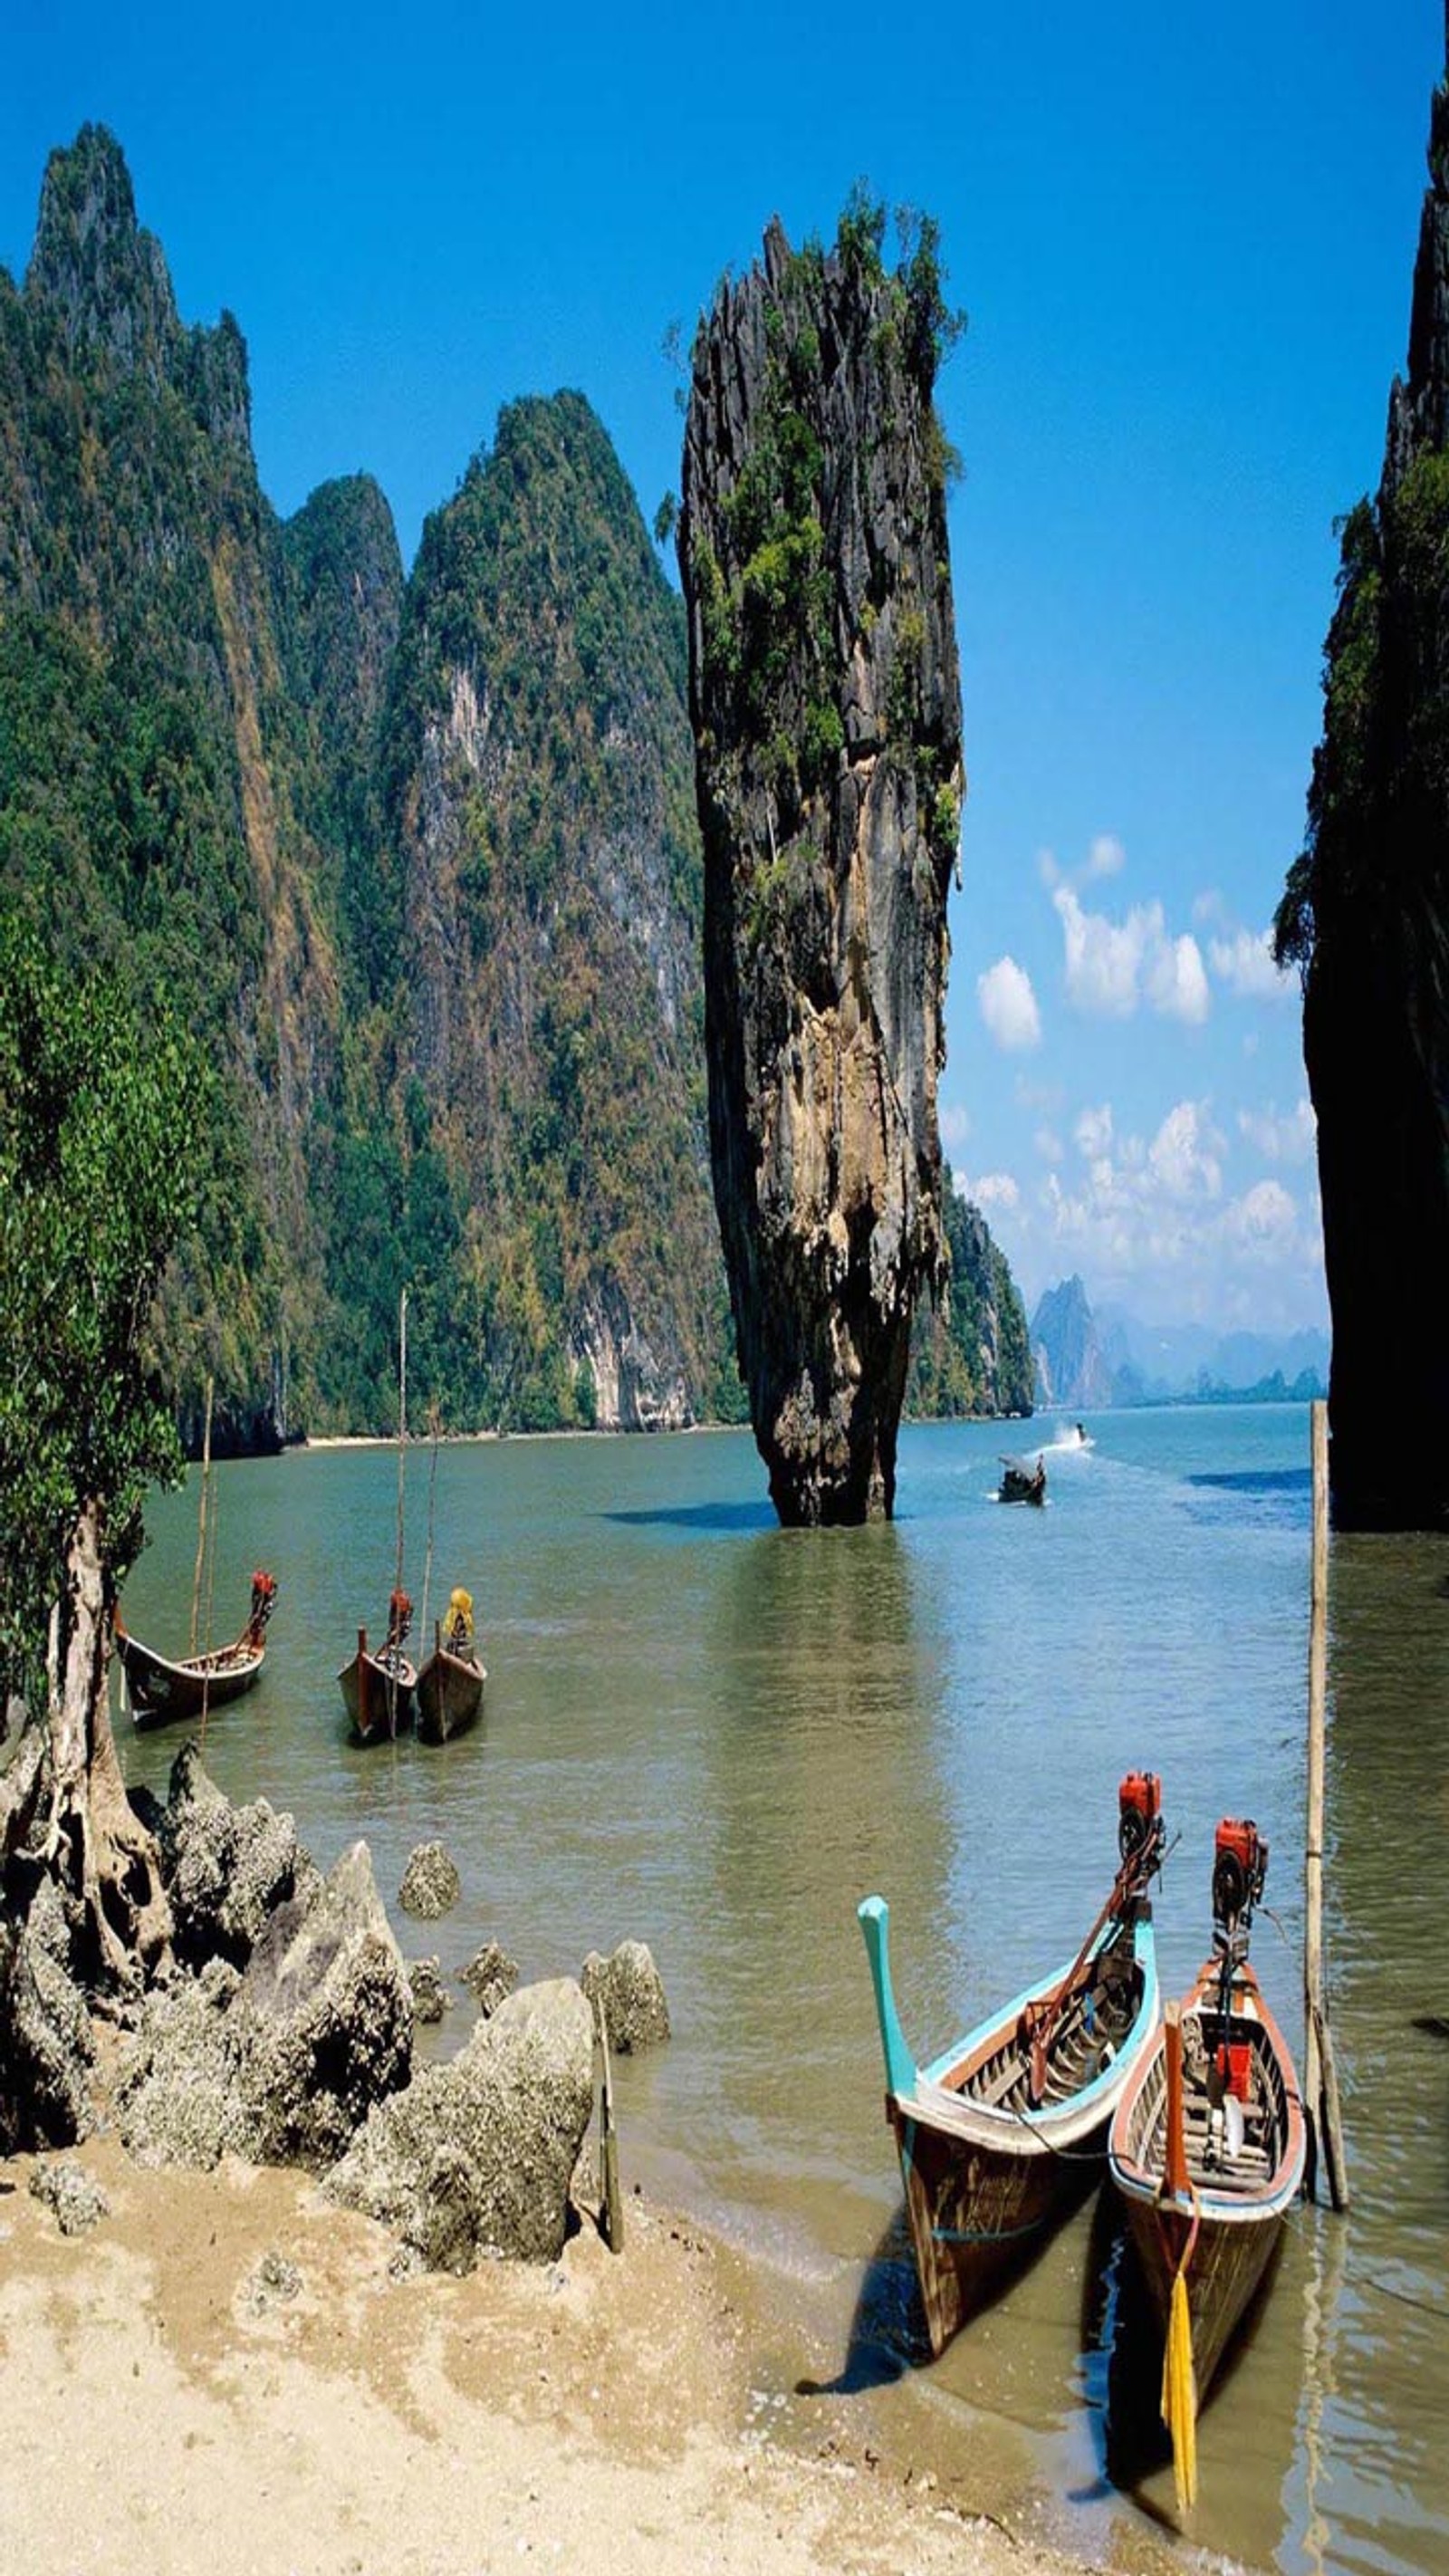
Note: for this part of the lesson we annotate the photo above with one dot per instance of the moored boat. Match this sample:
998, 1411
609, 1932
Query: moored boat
1208, 2143
378, 1688
1003, 2131
1020, 1483
450, 1683
164, 1688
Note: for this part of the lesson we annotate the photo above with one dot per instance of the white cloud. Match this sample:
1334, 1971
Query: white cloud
1047, 868
1262, 1226
1048, 1144
1111, 966
1151, 1217
1244, 962
1093, 1131
992, 1190
1176, 981
1008, 1005
1183, 1155
1290, 1139
1106, 857
955, 1125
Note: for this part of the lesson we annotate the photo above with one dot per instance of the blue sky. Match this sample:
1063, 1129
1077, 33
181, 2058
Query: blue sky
1184, 239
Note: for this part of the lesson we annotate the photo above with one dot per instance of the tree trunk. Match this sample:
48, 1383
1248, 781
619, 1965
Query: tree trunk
102, 1855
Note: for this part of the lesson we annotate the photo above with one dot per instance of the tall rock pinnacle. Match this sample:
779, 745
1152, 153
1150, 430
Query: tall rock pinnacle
1366, 917
825, 699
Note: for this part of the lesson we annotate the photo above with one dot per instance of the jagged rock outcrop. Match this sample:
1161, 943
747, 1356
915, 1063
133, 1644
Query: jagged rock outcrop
490, 1977
1366, 916
825, 700
47, 2053
430, 1884
226, 1869
1069, 1362
627, 1989
280, 2061
480, 2152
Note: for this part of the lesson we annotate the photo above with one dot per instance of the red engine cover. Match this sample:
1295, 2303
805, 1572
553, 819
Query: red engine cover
1238, 1835
1140, 1793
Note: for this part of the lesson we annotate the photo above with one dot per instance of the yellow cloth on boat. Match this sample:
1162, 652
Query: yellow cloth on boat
1179, 2396
460, 1618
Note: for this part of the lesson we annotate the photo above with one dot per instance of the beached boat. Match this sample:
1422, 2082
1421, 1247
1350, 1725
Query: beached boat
378, 1688
450, 1683
164, 1688
1020, 1483
1000, 2134
1208, 2141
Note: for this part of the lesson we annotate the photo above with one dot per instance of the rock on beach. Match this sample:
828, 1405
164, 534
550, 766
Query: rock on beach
431, 1885
479, 2154
630, 1993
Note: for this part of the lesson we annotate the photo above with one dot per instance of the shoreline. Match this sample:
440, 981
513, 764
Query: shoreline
601, 2412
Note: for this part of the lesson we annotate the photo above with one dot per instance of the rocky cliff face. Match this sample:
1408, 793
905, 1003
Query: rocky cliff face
148, 772
540, 799
424, 874
825, 701
1366, 916
970, 1353
1069, 1363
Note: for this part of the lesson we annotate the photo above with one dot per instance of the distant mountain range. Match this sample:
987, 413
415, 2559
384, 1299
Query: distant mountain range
1092, 1358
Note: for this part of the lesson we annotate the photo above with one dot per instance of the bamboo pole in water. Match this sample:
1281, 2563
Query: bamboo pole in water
201, 1517
1320, 2075
402, 1443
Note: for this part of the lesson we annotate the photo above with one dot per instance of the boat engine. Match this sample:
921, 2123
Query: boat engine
1240, 1865
1139, 1816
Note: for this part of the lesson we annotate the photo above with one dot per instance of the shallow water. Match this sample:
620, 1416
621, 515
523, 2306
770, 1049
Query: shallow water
717, 1735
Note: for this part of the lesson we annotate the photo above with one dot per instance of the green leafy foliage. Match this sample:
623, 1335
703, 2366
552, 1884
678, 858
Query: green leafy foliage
96, 1186
1378, 804
971, 1354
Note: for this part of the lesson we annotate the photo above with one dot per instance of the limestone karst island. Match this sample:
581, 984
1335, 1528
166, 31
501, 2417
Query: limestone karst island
711, 1587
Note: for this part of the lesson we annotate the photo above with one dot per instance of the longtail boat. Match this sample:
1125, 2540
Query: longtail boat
450, 1683
1002, 2132
1208, 2144
377, 1689
164, 1688
1020, 1483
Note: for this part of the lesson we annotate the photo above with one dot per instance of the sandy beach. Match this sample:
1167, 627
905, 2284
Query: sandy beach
225, 2374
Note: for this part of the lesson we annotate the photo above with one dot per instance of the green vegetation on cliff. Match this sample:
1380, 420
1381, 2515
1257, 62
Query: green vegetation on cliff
971, 1352
416, 862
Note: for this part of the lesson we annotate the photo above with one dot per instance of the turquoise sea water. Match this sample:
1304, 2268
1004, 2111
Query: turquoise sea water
716, 1735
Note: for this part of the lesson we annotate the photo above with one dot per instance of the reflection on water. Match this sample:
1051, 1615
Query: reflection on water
718, 1735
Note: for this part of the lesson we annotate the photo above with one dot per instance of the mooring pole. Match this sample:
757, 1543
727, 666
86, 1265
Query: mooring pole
1320, 2077
201, 1518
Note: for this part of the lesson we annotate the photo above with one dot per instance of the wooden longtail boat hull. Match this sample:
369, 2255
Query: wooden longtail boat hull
1242, 2201
163, 1691
378, 1699
449, 1694
985, 2178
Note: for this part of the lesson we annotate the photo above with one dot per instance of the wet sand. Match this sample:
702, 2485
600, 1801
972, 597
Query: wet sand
166, 2406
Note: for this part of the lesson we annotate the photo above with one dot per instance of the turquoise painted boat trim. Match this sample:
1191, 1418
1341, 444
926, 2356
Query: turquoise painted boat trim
874, 1917
1110, 2079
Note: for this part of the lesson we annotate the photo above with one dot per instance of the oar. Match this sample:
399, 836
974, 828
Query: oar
1179, 2381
